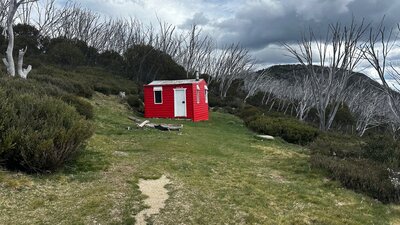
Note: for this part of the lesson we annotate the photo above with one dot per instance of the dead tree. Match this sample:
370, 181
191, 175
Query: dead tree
9, 60
338, 55
303, 95
167, 40
24, 12
380, 43
255, 82
232, 63
367, 104
3, 12
196, 49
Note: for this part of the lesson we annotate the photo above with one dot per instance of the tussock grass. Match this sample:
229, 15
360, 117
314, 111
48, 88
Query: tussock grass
220, 174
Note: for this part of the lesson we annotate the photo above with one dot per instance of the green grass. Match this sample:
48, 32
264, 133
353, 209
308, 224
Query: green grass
220, 174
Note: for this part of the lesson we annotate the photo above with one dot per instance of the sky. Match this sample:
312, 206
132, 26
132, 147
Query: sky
258, 25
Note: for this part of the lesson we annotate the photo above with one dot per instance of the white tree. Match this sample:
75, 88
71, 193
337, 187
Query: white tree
255, 82
231, 63
9, 60
303, 94
380, 43
366, 102
337, 55
3, 11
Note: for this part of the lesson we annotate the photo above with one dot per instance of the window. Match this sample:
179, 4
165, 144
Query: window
157, 95
198, 94
206, 93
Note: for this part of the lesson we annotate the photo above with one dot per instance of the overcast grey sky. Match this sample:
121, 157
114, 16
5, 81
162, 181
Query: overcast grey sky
259, 25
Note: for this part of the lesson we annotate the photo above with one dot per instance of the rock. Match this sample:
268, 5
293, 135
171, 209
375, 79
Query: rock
265, 137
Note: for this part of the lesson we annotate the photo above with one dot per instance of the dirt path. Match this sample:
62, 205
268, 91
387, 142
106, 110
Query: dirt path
157, 195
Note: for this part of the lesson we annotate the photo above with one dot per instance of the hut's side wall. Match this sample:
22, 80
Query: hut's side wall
200, 111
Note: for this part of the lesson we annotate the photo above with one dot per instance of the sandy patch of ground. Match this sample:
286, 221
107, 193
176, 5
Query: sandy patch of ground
157, 195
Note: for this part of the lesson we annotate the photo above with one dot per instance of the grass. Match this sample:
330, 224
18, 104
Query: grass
220, 174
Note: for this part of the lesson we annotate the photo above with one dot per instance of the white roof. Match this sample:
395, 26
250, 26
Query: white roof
174, 82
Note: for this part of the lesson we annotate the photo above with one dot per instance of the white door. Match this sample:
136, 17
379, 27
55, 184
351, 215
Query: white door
180, 102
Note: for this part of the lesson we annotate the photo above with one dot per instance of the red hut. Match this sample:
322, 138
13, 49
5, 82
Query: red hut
176, 99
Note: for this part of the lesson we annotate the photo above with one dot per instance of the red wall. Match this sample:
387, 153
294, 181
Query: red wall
201, 109
194, 111
166, 109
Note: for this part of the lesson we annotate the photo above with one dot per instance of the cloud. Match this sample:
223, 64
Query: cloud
259, 25
197, 19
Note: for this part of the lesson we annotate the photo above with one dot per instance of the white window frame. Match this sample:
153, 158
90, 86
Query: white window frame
205, 94
155, 89
197, 94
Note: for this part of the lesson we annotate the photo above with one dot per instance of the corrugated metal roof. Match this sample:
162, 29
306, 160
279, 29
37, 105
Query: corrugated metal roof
174, 82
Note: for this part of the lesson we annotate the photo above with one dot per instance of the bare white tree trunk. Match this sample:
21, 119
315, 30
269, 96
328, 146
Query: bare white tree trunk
21, 71
9, 60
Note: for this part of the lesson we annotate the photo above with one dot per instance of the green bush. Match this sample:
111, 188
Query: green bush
111, 61
215, 101
83, 107
338, 145
66, 54
291, 130
382, 149
134, 101
83, 81
233, 102
248, 113
66, 84
144, 63
106, 89
29, 86
362, 175
39, 133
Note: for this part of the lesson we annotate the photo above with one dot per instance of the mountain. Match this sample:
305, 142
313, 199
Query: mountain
291, 71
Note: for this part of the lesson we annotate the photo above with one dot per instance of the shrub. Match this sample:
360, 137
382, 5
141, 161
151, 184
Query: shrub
343, 117
257, 99
233, 102
382, 149
29, 86
134, 101
105, 89
249, 113
144, 63
111, 60
39, 133
338, 145
215, 101
66, 84
83, 107
289, 129
66, 54
363, 175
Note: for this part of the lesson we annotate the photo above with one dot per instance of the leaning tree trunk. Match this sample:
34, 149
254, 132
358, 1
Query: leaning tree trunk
21, 71
9, 60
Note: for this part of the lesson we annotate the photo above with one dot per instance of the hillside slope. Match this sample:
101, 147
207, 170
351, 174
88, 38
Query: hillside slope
220, 175
290, 72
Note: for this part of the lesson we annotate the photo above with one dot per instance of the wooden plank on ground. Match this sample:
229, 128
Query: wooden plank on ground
143, 123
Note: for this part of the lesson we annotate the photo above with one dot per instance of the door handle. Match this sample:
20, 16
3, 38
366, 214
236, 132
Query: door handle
183, 102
